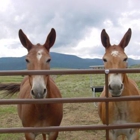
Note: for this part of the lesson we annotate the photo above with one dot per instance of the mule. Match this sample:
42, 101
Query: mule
38, 87
119, 84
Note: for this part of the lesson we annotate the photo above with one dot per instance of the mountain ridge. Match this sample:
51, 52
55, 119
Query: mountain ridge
58, 61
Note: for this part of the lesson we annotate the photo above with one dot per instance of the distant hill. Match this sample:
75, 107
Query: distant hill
58, 61
72, 61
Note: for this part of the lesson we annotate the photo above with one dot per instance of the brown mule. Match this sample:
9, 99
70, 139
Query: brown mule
119, 85
37, 87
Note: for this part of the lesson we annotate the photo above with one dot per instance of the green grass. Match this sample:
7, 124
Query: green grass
7, 109
11, 137
11, 79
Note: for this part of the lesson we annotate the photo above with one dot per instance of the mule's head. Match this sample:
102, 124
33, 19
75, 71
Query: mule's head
115, 58
38, 58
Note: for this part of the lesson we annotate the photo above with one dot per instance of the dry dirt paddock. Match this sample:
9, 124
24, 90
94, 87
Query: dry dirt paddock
74, 114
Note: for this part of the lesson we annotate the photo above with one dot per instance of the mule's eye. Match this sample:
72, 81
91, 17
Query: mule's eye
48, 60
104, 60
125, 59
27, 60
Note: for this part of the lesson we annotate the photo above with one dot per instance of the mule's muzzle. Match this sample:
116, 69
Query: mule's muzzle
116, 90
38, 94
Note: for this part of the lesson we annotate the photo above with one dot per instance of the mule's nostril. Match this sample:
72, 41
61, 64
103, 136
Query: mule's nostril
109, 87
121, 86
32, 92
44, 90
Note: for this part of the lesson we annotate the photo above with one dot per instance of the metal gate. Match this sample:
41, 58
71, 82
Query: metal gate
106, 99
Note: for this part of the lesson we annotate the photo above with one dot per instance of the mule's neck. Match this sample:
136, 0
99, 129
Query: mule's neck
125, 78
48, 86
129, 86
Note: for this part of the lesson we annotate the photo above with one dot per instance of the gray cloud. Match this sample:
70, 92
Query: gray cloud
73, 21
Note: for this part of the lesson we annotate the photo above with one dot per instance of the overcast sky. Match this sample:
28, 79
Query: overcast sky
78, 24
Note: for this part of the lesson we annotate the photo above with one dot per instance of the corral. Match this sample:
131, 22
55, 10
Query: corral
76, 124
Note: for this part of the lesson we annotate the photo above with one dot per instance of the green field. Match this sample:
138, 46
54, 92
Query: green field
74, 114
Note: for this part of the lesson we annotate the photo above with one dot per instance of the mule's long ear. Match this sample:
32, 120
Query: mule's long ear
24, 40
105, 39
50, 39
125, 40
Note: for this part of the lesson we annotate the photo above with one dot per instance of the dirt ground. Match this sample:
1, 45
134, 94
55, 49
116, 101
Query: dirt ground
81, 114
74, 114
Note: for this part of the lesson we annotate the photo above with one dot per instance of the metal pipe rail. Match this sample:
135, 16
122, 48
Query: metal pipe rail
65, 72
68, 128
68, 100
